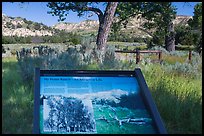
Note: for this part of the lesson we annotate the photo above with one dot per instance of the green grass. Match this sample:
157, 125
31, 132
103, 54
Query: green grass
18, 47
185, 47
17, 100
166, 58
174, 59
178, 98
128, 45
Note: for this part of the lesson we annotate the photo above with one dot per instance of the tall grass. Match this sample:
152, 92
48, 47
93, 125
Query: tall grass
17, 100
178, 98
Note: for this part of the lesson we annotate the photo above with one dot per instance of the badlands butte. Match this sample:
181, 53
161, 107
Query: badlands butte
17, 26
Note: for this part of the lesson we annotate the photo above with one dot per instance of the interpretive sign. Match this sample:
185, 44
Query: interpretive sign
94, 102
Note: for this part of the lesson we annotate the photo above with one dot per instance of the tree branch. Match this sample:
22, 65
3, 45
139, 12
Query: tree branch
75, 8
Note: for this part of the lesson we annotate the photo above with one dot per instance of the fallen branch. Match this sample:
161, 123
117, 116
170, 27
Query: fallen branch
103, 118
112, 109
137, 121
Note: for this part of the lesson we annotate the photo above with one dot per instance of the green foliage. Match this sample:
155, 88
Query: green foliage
63, 37
162, 15
185, 47
158, 39
158, 14
7, 40
74, 38
128, 45
196, 22
60, 37
125, 10
178, 96
124, 37
185, 36
196, 25
17, 98
15, 39
61, 9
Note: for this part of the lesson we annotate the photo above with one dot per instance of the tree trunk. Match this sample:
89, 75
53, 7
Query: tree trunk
105, 25
170, 38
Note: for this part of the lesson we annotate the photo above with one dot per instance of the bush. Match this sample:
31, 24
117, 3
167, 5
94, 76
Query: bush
13, 52
186, 69
71, 59
109, 60
74, 58
27, 66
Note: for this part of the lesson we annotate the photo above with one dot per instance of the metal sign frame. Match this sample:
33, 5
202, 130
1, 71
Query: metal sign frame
146, 95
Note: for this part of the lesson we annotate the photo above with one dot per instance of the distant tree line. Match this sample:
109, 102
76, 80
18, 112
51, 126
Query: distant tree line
61, 37
123, 37
15, 39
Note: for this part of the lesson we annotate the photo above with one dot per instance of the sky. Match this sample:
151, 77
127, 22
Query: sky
37, 12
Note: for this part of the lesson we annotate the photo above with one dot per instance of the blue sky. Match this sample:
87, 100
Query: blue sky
37, 11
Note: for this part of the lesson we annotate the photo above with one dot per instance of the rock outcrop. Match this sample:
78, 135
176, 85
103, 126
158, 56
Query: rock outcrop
21, 27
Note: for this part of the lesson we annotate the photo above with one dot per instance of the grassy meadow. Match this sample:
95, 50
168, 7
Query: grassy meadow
17, 100
176, 91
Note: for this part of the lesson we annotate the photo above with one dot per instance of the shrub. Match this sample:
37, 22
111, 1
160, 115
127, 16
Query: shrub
71, 59
109, 60
185, 69
13, 52
27, 66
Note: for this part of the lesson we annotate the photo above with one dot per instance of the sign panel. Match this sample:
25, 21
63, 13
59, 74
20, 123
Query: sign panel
93, 102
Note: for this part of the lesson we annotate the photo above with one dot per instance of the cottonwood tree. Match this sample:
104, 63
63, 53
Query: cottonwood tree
196, 24
68, 114
159, 16
62, 9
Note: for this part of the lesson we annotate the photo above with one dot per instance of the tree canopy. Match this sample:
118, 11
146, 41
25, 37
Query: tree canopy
159, 16
62, 9
196, 25
196, 22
